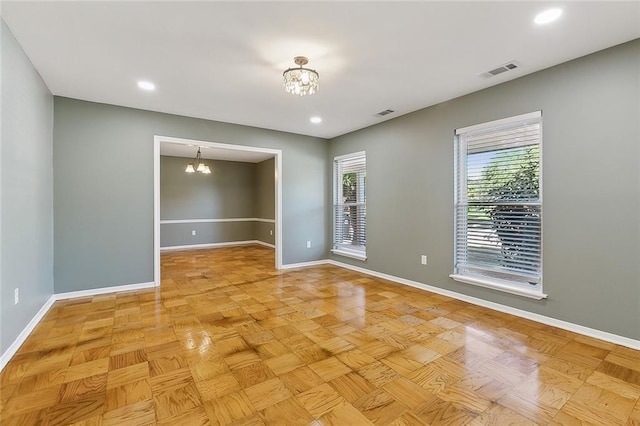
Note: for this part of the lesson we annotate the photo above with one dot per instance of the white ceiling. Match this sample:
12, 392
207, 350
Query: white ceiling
189, 151
224, 60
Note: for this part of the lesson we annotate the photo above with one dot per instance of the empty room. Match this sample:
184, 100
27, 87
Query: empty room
320, 213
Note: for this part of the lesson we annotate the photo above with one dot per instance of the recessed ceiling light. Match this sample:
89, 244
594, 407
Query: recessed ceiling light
316, 120
547, 16
146, 85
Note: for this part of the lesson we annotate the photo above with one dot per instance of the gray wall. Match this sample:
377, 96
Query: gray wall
26, 191
233, 190
591, 173
179, 234
265, 232
265, 207
228, 192
103, 189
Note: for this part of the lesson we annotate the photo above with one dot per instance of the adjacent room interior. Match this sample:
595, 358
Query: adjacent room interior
222, 195
320, 213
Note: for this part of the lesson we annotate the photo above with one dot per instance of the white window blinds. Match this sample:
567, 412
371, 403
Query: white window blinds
498, 211
350, 209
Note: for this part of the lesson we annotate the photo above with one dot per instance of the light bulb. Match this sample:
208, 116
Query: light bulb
189, 168
547, 16
146, 85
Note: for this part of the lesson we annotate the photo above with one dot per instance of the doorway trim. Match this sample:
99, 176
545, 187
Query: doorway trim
157, 140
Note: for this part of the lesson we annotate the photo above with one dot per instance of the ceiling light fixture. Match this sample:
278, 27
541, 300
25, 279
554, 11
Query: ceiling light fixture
146, 85
316, 120
198, 165
301, 81
547, 16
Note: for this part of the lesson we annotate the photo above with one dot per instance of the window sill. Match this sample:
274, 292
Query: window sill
496, 285
351, 254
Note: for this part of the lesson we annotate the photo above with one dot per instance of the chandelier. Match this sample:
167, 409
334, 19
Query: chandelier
301, 81
197, 165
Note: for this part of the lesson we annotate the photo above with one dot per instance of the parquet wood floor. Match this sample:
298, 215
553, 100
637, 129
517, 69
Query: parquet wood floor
227, 339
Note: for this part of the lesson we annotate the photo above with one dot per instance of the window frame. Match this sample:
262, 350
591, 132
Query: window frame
337, 196
461, 191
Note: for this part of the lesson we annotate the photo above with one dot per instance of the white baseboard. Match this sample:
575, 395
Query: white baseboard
11, 350
565, 325
102, 290
306, 264
215, 245
262, 243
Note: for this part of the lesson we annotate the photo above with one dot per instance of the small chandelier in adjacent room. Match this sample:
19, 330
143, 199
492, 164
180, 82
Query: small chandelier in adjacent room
301, 81
197, 165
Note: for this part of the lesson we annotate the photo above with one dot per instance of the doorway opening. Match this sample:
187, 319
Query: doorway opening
214, 151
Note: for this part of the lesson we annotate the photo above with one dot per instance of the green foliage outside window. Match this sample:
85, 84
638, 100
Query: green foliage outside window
513, 175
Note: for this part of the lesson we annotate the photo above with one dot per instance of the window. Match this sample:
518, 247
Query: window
498, 205
350, 205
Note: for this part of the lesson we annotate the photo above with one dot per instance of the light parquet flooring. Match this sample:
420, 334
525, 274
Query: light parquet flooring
227, 339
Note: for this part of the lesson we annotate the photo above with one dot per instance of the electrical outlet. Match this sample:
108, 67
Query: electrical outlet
193, 232
423, 259
16, 296
271, 232
309, 244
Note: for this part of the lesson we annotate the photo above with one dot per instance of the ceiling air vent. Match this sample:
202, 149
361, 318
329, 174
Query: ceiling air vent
499, 70
385, 112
